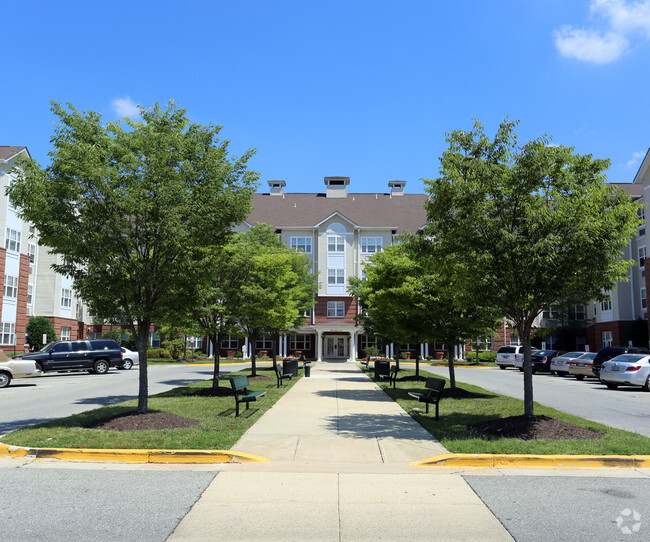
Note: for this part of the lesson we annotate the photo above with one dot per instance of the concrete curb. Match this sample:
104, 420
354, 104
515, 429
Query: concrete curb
131, 456
515, 461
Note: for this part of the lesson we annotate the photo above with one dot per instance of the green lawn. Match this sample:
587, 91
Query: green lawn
456, 414
219, 428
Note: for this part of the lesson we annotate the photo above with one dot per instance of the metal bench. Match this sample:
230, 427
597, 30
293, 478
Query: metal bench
240, 383
391, 376
280, 374
432, 395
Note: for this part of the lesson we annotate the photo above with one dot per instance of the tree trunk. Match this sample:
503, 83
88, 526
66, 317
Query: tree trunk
417, 364
450, 363
142, 339
397, 354
524, 333
216, 339
253, 339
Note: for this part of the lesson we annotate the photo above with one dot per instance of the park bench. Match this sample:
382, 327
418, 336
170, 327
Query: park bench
280, 374
433, 393
391, 376
239, 384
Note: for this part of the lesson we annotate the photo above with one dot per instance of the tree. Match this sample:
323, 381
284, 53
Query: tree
36, 328
409, 294
533, 224
276, 289
134, 208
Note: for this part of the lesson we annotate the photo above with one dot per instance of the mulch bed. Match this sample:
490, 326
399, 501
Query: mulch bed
140, 422
534, 428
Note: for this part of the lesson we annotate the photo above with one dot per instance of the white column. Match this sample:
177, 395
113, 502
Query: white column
319, 346
246, 348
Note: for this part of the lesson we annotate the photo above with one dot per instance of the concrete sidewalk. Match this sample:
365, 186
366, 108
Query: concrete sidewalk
340, 453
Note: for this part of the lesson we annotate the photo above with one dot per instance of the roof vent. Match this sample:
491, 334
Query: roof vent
337, 187
277, 187
396, 187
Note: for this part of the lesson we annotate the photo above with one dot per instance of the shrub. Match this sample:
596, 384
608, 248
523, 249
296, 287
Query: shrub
174, 347
36, 328
371, 351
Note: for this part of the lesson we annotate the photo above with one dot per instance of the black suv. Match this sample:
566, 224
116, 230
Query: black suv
96, 356
609, 352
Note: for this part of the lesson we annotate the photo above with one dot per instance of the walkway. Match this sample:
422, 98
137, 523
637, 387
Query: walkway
340, 451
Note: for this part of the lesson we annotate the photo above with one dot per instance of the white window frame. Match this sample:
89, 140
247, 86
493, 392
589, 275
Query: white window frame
230, 342
606, 305
371, 245
8, 333
30, 294
369, 340
300, 341
301, 244
608, 340
335, 244
12, 240
336, 309
66, 298
11, 287
65, 333
644, 298
336, 277
31, 252
642, 255
264, 343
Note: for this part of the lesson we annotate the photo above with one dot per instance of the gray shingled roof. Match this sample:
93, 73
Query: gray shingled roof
7, 151
402, 213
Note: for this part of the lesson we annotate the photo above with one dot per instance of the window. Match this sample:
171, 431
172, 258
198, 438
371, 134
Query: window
336, 276
642, 257
65, 333
335, 244
80, 312
30, 294
265, 343
370, 245
230, 342
8, 333
644, 299
198, 342
641, 212
486, 342
66, 298
11, 287
300, 342
514, 339
31, 252
607, 338
12, 240
301, 244
369, 340
606, 305
335, 309
577, 312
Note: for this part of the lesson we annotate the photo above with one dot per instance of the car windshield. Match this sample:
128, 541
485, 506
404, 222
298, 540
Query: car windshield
628, 358
47, 347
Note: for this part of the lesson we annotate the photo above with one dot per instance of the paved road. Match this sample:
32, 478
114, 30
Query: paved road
55, 395
625, 408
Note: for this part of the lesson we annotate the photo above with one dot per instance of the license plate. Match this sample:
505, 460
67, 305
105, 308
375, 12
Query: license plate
581, 364
614, 368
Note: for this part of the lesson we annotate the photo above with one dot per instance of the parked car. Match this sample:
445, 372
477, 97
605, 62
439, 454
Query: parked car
16, 368
507, 355
560, 364
581, 367
609, 352
129, 358
540, 360
96, 356
626, 370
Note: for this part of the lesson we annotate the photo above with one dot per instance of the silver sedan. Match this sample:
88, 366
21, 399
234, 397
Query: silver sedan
560, 364
129, 358
581, 367
626, 370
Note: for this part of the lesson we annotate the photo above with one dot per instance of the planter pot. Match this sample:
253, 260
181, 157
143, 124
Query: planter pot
407, 355
297, 353
440, 355
262, 353
230, 353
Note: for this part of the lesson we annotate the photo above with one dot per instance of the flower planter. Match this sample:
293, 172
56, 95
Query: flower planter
230, 353
262, 353
440, 355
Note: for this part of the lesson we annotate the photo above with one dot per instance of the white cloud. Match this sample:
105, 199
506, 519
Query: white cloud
125, 107
636, 157
589, 45
623, 20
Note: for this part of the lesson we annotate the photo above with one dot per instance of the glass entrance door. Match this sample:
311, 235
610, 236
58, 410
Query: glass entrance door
336, 346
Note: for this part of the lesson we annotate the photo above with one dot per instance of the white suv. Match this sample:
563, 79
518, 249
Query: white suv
507, 356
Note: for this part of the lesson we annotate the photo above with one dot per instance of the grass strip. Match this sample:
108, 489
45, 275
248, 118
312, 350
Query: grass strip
457, 414
219, 429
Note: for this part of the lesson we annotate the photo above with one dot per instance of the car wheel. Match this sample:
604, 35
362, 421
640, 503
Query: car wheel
101, 367
5, 378
646, 386
521, 370
502, 366
554, 373
127, 364
580, 377
611, 386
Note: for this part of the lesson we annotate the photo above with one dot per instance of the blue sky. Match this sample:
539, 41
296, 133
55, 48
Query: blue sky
357, 88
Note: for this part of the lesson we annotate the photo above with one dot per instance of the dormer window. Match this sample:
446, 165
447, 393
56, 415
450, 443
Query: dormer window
337, 187
277, 187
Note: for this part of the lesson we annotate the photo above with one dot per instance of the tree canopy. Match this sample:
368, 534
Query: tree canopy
134, 208
532, 224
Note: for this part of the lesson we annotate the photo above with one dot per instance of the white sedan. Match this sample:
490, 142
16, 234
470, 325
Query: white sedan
626, 370
129, 359
560, 364
16, 368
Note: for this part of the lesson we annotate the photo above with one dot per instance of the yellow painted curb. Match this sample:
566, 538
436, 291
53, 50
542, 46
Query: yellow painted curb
534, 461
131, 456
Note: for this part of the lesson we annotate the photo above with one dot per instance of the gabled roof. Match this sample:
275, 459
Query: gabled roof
7, 152
644, 168
403, 213
633, 190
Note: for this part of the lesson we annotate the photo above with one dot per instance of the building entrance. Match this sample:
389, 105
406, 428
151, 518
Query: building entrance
336, 346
